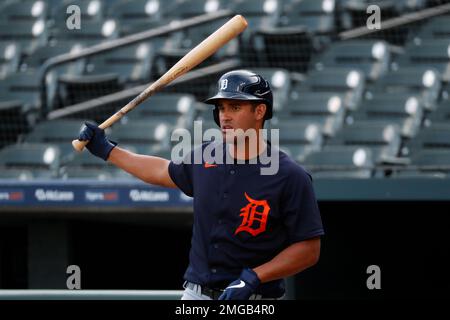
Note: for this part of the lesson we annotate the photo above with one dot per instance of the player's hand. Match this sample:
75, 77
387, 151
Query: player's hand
242, 288
98, 144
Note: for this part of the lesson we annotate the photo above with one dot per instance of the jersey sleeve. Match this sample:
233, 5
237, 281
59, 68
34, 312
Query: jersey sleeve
182, 175
300, 209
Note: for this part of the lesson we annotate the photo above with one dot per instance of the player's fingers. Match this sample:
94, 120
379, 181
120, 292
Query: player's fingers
92, 126
86, 133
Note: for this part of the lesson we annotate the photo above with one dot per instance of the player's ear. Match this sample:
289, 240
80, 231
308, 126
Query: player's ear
260, 111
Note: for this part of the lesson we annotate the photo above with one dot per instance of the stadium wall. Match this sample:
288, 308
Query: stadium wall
397, 226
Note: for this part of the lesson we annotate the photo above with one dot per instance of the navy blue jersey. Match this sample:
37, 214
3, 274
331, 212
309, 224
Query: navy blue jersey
244, 219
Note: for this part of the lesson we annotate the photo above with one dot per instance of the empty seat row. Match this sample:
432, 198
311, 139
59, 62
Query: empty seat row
358, 149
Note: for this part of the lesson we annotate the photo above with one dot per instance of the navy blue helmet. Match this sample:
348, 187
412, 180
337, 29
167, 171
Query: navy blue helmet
243, 85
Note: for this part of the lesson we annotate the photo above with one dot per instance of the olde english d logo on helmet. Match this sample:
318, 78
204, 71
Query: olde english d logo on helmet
254, 216
223, 84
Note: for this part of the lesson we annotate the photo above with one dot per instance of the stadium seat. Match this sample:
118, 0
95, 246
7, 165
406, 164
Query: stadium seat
194, 35
280, 83
316, 15
23, 87
354, 13
139, 12
176, 109
405, 110
383, 139
189, 8
410, 6
434, 137
85, 166
73, 89
430, 54
73, 172
346, 82
422, 81
260, 15
91, 10
142, 15
42, 159
372, 57
32, 64
142, 133
325, 110
432, 163
289, 47
129, 29
10, 54
92, 33
13, 122
178, 44
417, 174
132, 64
433, 3
29, 35
41, 55
16, 174
6, 3
58, 132
25, 10
436, 28
299, 140
441, 114
258, 12
340, 162
26, 88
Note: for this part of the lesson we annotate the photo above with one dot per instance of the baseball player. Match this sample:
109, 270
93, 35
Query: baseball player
250, 230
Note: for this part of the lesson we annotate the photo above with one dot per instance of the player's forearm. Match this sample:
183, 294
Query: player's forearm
149, 169
294, 259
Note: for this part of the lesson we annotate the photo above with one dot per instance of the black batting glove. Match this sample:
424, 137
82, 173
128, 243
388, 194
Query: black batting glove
98, 144
242, 288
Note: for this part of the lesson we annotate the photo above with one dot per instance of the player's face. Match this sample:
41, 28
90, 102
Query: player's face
235, 114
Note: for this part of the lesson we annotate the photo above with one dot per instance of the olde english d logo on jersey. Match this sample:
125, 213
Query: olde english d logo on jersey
254, 216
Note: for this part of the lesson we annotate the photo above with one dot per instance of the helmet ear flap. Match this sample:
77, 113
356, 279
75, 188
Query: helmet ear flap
216, 115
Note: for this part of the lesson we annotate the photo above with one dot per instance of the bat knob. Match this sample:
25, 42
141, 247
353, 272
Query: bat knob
79, 145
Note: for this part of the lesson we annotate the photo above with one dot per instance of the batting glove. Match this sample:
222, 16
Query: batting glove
242, 288
98, 144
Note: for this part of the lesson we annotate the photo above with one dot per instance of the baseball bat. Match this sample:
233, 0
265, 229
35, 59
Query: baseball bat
202, 51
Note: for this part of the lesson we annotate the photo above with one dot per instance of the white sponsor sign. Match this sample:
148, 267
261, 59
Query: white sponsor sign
92, 196
4, 195
53, 195
148, 196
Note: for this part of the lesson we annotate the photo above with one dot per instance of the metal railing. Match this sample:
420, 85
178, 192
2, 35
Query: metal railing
90, 294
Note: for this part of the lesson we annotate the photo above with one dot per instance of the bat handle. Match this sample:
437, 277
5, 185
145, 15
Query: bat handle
79, 145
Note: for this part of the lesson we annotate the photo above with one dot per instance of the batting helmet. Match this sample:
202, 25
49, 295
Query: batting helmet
242, 85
